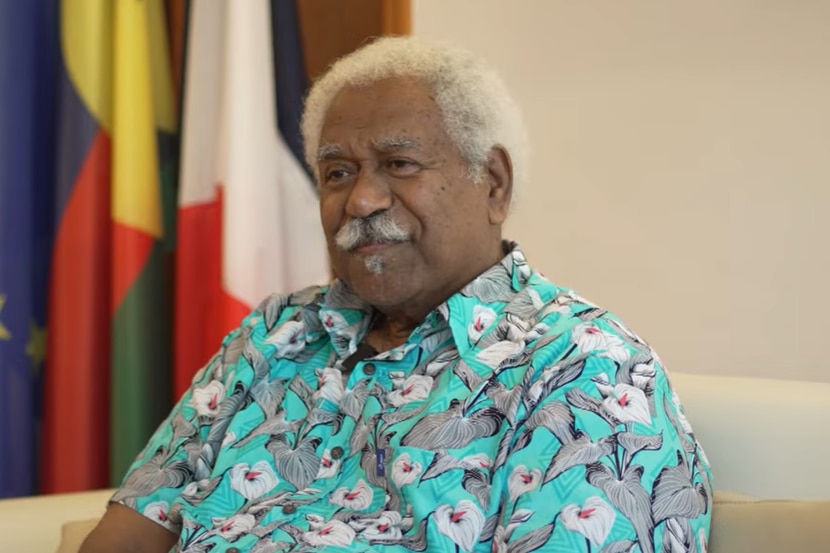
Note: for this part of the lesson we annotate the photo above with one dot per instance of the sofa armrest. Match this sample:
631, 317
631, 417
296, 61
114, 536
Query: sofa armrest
33, 524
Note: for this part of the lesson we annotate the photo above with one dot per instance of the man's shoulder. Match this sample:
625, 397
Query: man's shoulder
562, 312
263, 329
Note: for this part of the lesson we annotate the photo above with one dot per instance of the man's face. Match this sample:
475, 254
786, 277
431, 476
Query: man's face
406, 226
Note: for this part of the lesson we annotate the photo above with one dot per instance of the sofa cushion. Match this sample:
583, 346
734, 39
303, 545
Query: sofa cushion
743, 525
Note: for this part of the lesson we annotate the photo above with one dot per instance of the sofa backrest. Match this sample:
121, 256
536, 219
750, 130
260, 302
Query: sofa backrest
769, 439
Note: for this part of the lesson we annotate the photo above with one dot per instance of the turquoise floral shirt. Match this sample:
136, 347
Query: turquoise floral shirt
517, 417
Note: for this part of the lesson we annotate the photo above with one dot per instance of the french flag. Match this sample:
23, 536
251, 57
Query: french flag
248, 221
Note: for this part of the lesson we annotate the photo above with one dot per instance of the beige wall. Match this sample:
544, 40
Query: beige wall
681, 169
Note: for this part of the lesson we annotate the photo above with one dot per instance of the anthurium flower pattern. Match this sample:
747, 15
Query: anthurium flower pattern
252, 482
593, 519
518, 417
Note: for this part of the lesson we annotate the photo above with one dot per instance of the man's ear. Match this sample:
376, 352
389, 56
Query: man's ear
500, 179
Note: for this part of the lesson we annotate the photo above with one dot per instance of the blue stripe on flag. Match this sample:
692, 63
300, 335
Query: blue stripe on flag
289, 73
28, 69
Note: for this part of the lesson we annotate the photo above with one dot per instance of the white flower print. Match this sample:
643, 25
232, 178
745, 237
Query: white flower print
157, 510
397, 378
357, 498
462, 524
404, 471
388, 525
482, 318
478, 460
329, 468
333, 532
330, 385
232, 527
414, 388
288, 337
589, 338
333, 320
627, 404
193, 489
208, 398
253, 482
593, 519
522, 480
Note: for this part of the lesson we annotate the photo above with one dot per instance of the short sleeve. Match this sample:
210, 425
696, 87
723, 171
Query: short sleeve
180, 454
604, 459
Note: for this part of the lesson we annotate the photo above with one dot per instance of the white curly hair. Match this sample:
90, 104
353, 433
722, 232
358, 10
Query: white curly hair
478, 112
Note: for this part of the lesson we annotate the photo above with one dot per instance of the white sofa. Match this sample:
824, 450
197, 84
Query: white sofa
767, 439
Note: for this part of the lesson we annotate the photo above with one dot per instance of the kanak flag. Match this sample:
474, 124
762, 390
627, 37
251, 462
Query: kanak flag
248, 214
107, 359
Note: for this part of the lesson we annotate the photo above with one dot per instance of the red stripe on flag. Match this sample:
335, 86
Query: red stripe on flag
204, 311
76, 395
131, 248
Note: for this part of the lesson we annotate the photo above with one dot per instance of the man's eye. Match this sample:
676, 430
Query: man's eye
335, 175
405, 166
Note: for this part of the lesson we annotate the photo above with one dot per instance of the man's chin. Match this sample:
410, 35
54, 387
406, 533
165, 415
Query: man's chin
375, 264
379, 280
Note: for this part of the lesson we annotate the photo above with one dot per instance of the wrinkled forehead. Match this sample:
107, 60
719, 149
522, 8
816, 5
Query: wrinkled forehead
383, 145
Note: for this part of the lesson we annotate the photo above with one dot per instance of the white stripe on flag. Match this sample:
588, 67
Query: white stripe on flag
271, 236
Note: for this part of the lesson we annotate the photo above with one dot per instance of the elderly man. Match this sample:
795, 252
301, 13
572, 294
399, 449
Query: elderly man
440, 395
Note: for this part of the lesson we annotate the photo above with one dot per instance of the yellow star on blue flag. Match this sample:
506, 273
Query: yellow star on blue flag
36, 346
4, 332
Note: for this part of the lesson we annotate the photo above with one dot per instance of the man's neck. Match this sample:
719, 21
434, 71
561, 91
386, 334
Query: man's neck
389, 332
391, 327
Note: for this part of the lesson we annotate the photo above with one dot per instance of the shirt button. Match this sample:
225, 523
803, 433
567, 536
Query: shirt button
336, 453
369, 368
289, 509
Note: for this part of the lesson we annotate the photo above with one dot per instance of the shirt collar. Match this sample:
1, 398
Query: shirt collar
347, 318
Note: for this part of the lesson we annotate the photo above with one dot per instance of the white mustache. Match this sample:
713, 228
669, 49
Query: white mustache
380, 228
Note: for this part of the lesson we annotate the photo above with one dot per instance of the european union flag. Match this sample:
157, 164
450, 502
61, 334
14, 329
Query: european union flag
28, 69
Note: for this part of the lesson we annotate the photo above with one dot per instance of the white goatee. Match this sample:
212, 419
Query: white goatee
374, 264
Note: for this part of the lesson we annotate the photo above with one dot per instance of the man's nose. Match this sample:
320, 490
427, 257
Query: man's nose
369, 194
